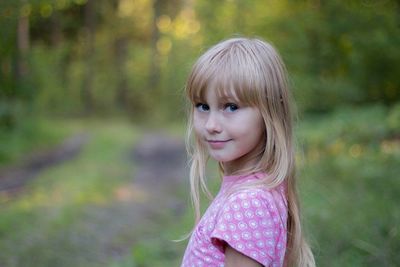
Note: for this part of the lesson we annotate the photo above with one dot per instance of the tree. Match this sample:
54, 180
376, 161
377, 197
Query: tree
89, 31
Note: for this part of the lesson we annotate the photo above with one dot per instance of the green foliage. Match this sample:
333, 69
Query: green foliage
349, 184
337, 53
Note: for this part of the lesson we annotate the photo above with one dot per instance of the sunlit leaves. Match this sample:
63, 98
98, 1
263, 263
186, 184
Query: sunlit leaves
46, 10
164, 45
186, 24
164, 23
25, 10
135, 17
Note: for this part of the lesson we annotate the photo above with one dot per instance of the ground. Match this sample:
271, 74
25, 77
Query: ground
129, 225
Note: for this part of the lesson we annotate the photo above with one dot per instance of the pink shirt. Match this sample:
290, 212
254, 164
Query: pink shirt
252, 221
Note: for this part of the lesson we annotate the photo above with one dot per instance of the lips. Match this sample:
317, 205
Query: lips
217, 144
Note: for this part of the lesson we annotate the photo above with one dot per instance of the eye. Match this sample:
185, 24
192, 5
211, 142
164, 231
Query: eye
202, 107
231, 107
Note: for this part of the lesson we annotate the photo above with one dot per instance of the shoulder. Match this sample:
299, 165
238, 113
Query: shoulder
259, 206
247, 198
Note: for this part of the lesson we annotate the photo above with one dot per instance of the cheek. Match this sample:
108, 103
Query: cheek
197, 124
258, 133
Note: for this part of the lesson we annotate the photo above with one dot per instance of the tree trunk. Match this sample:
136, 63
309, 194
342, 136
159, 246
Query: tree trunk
89, 28
21, 69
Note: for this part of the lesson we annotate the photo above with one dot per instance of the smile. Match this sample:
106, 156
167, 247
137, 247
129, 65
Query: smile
217, 144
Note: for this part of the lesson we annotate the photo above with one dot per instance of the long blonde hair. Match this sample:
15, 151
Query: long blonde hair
254, 71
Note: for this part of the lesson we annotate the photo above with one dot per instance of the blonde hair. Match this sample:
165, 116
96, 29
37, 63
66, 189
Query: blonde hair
253, 70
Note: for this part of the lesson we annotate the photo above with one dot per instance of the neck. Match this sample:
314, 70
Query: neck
244, 164
239, 167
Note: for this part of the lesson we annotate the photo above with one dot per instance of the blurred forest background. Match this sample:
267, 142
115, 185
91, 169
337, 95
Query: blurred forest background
91, 90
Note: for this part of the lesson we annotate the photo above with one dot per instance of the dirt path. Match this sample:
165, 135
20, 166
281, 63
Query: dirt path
14, 178
159, 176
161, 163
153, 200
159, 159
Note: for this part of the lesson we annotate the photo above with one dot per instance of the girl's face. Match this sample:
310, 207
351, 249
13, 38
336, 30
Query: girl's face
233, 133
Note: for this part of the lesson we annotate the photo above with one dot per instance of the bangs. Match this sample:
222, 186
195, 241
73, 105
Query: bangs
232, 73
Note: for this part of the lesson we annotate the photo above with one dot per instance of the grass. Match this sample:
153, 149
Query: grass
65, 216
350, 187
77, 213
28, 135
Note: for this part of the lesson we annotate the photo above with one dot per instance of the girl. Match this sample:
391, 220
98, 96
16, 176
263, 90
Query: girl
240, 117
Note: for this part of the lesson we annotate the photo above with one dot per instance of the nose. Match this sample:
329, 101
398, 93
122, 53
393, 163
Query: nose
213, 124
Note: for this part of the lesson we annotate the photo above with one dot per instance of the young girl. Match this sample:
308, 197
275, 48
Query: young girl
240, 117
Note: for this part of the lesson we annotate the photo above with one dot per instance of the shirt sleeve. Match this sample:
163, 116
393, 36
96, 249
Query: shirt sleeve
250, 223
